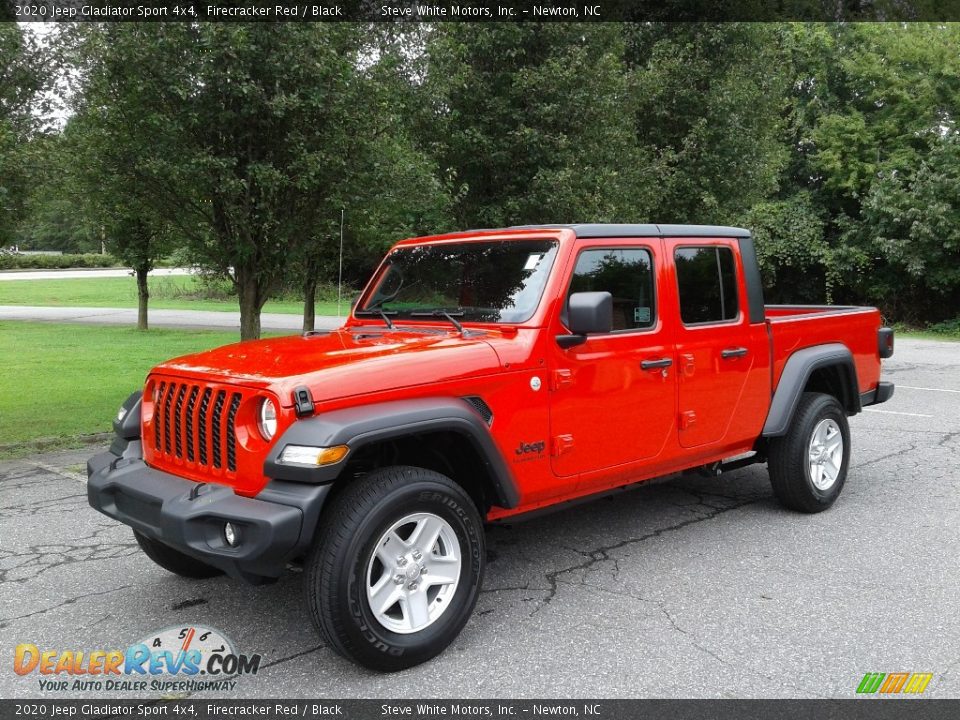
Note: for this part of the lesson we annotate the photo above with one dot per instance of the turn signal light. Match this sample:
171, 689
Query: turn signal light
308, 455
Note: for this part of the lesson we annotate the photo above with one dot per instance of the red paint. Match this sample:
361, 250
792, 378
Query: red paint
604, 421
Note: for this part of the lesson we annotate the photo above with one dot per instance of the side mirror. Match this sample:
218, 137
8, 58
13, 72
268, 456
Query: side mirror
587, 312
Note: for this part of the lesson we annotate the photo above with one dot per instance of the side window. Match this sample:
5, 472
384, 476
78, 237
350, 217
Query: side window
707, 281
625, 273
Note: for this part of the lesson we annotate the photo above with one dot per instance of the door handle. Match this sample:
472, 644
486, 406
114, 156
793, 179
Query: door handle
655, 364
733, 353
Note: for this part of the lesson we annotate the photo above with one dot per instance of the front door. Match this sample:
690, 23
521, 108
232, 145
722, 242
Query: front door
613, 398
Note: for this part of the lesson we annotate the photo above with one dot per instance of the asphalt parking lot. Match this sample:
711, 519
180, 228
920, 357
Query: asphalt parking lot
685, 588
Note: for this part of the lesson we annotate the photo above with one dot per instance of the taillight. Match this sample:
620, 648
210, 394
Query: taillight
885, 342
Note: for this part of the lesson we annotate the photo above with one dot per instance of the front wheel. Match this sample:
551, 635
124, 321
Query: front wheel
808, 465
396, 569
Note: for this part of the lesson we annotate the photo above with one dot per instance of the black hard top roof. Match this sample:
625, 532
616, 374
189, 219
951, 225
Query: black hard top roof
602, 230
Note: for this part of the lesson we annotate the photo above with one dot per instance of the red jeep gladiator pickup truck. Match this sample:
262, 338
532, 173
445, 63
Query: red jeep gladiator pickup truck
481, 375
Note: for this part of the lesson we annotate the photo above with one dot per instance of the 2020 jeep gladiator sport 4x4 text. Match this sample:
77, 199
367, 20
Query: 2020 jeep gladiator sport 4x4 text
481, 375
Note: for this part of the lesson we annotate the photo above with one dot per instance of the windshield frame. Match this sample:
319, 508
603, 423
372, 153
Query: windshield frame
366, 315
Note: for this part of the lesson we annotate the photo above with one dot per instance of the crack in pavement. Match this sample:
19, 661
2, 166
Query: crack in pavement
896, 453
293, 657
5, 621
692, 638
36, 507
602, 553
37, 559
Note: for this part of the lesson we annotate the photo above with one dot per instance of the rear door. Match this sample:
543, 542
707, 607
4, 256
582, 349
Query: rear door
717, 348
613, 398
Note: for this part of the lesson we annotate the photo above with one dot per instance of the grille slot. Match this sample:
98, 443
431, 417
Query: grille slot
177, 422
166, 417
215, 427
191, 406
231, 436
156, 420
202, 421
197, 423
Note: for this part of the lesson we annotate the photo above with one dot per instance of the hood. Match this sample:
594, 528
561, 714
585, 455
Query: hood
343, 362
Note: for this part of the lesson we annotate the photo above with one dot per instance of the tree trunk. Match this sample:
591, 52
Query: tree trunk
143, 297
248, 287
310, 303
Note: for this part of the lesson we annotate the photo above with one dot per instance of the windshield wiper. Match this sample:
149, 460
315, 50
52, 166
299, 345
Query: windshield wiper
452, 317
383, 314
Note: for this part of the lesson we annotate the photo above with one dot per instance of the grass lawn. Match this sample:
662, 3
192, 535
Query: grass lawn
66, 381
925, 335
170, 293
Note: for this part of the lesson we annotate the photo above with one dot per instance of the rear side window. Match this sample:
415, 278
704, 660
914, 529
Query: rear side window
707, 281
625, 273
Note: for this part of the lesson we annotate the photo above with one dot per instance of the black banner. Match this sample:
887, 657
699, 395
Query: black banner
863, 709
474, 11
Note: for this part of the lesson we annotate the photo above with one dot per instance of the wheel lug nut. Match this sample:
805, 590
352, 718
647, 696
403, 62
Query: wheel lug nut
412, 586
423, 570
398, 580
401, 561
417, 554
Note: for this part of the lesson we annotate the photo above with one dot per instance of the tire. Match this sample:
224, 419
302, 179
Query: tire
395, 510
173, 560
800, 481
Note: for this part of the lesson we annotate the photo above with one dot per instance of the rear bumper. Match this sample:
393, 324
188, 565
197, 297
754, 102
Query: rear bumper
274, 527
880, 394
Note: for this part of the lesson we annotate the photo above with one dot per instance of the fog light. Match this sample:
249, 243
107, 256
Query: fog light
231, 534
308, 455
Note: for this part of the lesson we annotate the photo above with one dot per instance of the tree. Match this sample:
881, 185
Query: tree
24, 75
915, 220
869, 106
532, 123
237, 133
709, 99
387, 186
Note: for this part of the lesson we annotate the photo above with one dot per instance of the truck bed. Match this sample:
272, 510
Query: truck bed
794, 327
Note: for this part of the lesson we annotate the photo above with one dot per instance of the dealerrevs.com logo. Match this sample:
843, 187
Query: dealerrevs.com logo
176, 659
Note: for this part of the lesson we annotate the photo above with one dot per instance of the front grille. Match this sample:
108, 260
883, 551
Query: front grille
196, 423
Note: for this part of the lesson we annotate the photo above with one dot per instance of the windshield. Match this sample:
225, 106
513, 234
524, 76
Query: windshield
478, 281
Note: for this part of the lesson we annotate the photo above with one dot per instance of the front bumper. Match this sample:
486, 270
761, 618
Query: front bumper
275, 527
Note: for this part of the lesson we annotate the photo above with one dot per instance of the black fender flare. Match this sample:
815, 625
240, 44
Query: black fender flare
365, 424
800, 366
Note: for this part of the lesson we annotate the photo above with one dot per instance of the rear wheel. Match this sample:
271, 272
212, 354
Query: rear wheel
394, 574
808, 465
174, 560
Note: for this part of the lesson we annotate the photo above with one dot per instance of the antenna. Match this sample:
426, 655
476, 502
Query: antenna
340, 275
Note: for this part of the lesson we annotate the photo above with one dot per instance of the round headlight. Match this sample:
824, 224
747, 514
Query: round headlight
268, 419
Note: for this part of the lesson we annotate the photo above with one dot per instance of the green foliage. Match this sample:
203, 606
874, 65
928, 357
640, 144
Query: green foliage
915, 218
24, 75
949, 328
709, 102
791, 247
249, 142
533, 123
871, 113
57, 262
240, 144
